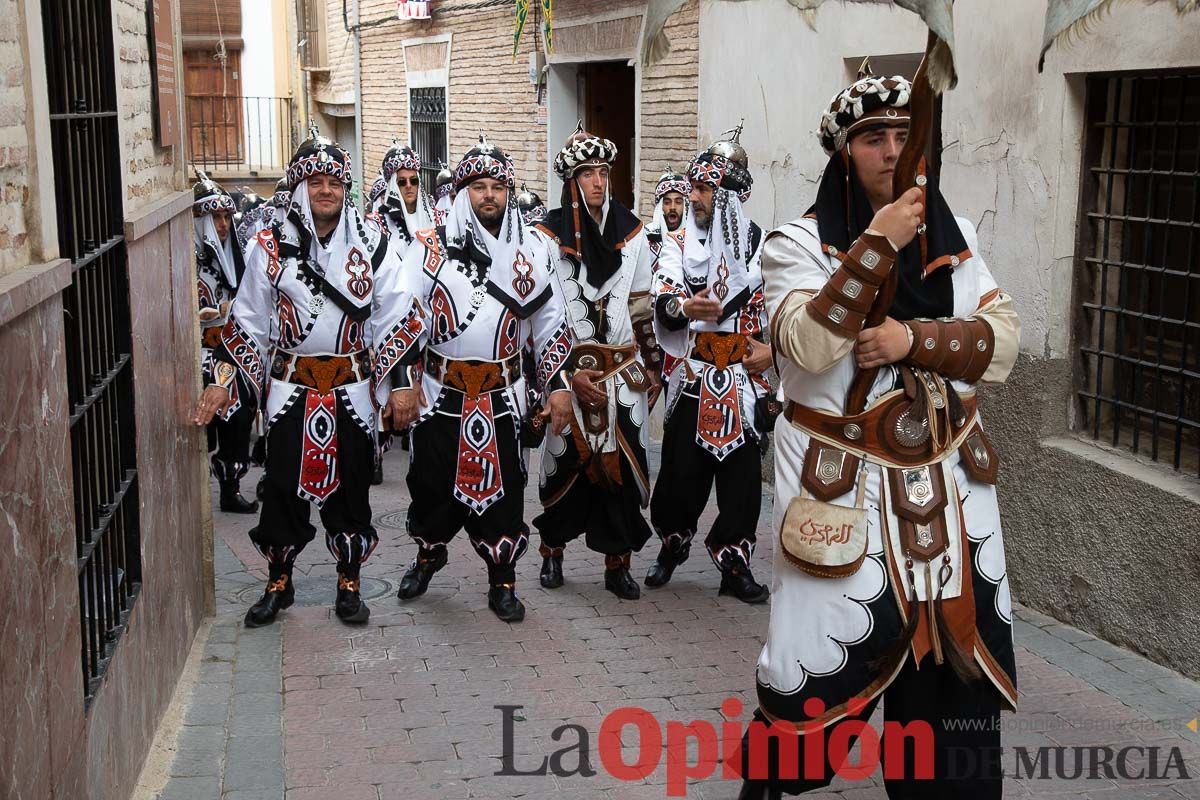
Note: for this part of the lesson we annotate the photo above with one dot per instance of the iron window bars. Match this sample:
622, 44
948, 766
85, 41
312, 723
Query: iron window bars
100, 385
1139, 287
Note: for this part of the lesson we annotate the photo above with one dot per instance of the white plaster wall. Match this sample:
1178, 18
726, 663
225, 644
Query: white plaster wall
258, 55
1012, 137
258, 77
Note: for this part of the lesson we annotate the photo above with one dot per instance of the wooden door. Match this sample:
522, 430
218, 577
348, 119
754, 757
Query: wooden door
608, 101
214, 108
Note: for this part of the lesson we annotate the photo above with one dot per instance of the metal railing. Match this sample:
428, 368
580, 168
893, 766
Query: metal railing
81, 86
240, 134
1139, 330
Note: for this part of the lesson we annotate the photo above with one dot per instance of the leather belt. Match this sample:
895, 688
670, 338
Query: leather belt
323, 372
878, 432
720, 349
604, 357
210, 338
611, 360
473, 377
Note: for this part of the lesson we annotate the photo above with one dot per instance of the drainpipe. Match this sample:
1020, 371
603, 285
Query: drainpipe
358, 126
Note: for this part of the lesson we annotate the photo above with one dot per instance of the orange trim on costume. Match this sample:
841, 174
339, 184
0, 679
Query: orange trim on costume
938, 263
621, 244
987, 298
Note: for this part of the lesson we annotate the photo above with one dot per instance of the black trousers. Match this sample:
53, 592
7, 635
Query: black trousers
229, 441
611, 519
685, 480
499, 535
284, 528
965, 724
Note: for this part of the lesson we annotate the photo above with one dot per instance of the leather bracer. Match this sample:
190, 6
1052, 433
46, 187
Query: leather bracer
643, 334
960, 349
843, 303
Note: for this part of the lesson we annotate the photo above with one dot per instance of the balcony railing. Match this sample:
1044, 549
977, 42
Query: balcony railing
240, 134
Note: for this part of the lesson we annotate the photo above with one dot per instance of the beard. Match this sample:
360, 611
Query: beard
672, 219
320, 217
491, 219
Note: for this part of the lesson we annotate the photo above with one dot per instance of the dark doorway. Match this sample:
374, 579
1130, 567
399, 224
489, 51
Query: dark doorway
608, 89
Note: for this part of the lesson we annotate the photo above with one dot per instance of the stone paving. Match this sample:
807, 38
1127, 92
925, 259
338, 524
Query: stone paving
310, 709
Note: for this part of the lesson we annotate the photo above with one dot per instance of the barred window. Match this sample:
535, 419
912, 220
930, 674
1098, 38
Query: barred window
427, 113
1139, 280
85, 137
310, 19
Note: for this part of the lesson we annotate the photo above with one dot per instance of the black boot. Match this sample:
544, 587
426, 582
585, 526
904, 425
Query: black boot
663, 568
552, 558
737, 580
279, 595
377, 475
617, 578
258, 455
420, 572
261, 488
232, 500
502, 599
349, 605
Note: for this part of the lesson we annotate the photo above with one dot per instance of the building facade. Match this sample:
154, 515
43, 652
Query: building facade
1082, 181
105, 554
439, 82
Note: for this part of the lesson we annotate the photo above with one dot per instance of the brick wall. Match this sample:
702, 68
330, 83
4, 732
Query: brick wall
14, 150
488, 89
338, 85
670, 93
149, 169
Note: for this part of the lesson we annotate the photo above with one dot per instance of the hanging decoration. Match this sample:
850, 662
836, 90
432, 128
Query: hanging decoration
547, 28
522, 15
413, 9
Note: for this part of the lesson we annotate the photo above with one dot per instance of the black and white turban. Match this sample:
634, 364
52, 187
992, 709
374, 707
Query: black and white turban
672, 181
484, 160
721, 172
398, 157
318, 154
583, 150
873, 100
208, 196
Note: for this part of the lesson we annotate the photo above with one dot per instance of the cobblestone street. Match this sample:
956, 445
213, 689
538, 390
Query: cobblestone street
310, 709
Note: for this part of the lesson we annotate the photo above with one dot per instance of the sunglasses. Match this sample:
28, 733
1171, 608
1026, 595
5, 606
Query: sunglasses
408, 181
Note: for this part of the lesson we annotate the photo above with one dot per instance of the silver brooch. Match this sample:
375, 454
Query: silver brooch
316, 305
477, 296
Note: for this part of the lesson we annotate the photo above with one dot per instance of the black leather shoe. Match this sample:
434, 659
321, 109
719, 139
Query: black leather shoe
552, 558
621, 583
232, 500
661, 570
739, 582
279, 595
503, 601
377, 475
757, 790
416, 579
349, 605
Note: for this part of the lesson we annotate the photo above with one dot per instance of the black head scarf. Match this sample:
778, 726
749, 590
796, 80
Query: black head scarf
924, 288
580, 238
